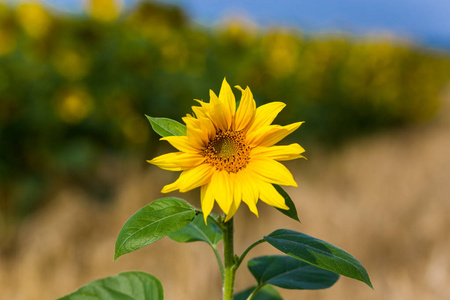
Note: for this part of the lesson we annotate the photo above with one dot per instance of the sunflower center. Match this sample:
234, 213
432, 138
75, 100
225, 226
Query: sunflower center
228, 151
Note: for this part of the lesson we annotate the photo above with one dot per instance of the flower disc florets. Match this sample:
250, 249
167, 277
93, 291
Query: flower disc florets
228, 151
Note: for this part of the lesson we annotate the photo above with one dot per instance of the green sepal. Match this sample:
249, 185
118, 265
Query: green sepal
267, 292
292, 211
152, 222
123, 286
318, 253
167, 127
196, 231
290, 273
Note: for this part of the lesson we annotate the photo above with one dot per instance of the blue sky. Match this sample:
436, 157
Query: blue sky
426, 21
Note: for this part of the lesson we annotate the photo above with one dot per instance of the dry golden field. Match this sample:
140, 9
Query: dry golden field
384, 198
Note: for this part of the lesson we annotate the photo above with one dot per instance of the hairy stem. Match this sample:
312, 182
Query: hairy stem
229, 258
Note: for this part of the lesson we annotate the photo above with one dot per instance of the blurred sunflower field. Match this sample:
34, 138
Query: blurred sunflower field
74, 88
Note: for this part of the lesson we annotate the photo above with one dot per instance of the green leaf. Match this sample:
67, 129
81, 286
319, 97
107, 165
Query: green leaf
290, 273
318, 253
268, 292
167, 127
152, 222
123, 286
292, 212
197, 230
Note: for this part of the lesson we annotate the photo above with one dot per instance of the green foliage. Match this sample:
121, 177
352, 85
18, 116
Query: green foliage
167, 127
290, 273
123, 286
152, 222
198, 231
266, 293
318, 253
292, 212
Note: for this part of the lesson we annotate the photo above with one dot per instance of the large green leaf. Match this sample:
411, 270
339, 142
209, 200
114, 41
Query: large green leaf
268, 292
292, 211
167, 127
123, 286
152, 222
197, 230
290, 273
318, 253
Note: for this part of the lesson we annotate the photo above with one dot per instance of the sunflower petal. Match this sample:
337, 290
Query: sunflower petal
265, 114
207, 126
195, 134
219, 113
271, 171
221, 189
207, 200
182, 143
270, 195
177, 161
270, 135
246, 111
190, 179
250, 191
279, 153
201, 111
237, 196
232, 211
226, 96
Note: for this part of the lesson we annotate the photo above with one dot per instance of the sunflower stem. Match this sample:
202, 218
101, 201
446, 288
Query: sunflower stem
230, 261
241, 258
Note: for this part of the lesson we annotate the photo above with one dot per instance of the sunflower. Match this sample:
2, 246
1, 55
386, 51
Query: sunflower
231, 154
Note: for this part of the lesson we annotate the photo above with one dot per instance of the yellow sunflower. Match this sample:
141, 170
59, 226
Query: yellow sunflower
230, 153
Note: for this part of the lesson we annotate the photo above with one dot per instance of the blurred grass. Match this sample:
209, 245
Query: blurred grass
74, 89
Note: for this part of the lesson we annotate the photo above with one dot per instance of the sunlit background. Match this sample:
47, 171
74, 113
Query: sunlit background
371, 81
